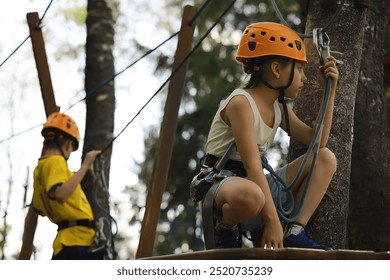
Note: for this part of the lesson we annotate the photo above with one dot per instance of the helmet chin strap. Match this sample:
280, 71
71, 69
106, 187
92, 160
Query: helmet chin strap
61, 150
281, 96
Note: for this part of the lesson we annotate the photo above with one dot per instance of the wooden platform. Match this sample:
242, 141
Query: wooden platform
277, 254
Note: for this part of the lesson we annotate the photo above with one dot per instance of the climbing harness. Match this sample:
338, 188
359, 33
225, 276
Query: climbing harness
214, 179
104, 237
72, 223
209, 176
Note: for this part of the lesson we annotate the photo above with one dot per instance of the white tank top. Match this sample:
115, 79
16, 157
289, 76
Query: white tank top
221, 135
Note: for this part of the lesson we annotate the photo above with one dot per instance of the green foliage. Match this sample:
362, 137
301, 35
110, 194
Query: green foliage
78, 14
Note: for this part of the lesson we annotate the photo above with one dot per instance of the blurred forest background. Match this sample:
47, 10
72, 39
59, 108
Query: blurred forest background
137, 28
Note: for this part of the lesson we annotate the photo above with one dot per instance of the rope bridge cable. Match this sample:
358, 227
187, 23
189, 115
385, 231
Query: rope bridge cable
90, 93
20, 133
38, 25
12, 53
204, 5
98, 87
28, 37
107, 81
172, 74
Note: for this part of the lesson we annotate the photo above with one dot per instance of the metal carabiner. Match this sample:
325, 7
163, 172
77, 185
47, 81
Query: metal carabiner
321, 41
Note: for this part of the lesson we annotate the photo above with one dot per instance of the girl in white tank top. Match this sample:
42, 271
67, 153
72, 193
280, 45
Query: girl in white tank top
274, 56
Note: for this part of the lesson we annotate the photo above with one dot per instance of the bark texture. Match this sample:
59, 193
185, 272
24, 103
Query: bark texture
369, 208
101, 102
345, 30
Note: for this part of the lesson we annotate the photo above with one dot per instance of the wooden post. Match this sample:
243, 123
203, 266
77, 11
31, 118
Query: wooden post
41, 63
167, 136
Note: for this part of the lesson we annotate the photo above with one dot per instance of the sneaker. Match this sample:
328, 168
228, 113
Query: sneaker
226, 237
303, 240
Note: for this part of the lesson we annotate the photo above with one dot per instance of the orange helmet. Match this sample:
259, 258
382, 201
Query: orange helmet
58, 122
269, 38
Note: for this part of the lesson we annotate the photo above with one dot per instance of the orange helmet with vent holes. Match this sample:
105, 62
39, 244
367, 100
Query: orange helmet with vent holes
268, 39
58, 123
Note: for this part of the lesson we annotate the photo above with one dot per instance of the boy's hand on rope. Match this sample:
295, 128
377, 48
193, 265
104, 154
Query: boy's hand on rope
90, 158
329, 70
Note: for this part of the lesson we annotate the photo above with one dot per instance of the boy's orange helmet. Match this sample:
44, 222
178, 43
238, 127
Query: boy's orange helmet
63, 123
268, 39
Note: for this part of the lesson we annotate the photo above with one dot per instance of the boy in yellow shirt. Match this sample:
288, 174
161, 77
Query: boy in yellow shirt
58, 193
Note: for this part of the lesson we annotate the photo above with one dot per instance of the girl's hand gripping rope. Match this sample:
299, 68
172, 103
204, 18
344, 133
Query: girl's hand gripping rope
329, 70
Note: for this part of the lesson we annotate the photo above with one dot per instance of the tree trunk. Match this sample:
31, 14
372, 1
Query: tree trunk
346, 35
101, 104
369, 211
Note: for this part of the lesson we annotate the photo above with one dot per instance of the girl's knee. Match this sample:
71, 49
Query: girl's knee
242, 195
327, 159
251, 199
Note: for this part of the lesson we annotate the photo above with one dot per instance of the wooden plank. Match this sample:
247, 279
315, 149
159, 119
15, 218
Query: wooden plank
277, 254
167, 136
42, 65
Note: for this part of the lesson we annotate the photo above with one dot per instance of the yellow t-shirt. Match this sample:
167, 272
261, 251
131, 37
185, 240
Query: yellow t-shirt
51, 172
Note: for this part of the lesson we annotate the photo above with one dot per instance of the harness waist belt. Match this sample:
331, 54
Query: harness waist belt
237, 167
67, 223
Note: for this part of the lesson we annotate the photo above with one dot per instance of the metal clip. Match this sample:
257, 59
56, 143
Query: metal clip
321, 41
39, 25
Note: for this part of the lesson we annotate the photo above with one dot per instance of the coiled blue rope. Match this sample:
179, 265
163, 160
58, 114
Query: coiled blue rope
285, 211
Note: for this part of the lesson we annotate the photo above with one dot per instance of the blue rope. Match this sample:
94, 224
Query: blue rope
286, 210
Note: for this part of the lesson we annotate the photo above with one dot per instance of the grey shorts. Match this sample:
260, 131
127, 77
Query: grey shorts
274, 185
